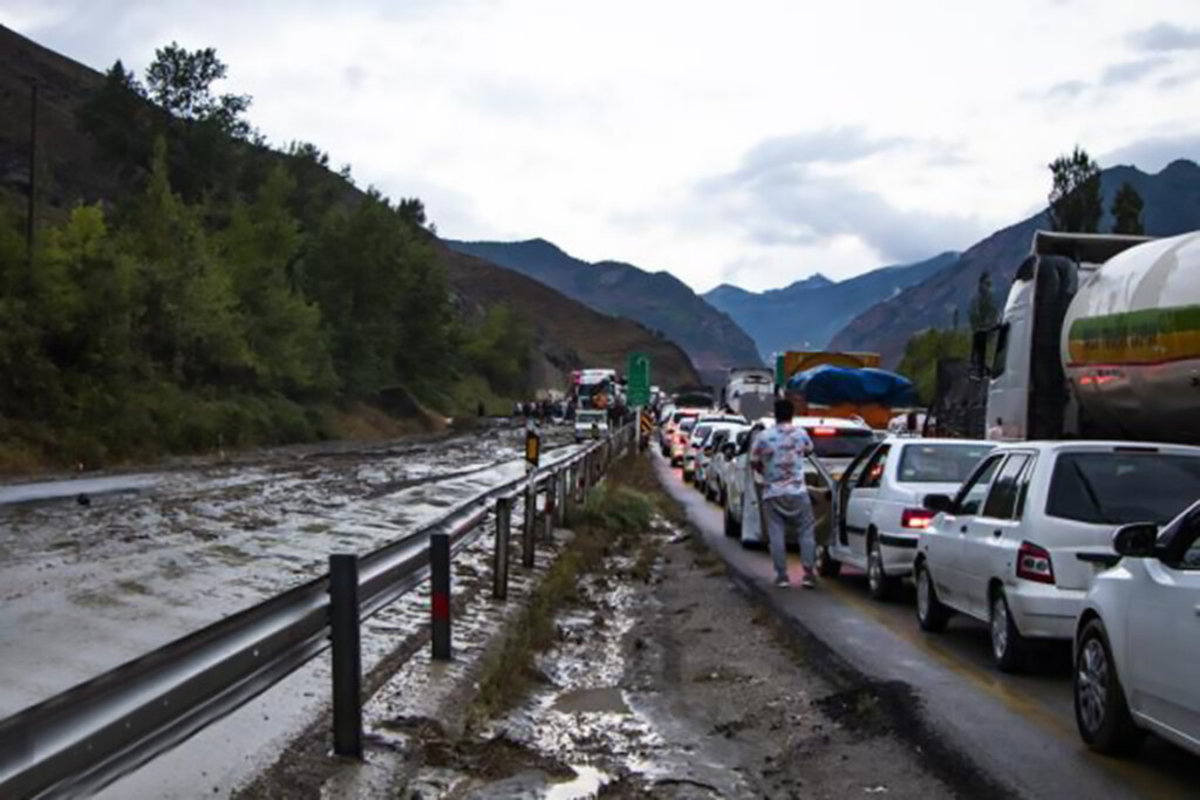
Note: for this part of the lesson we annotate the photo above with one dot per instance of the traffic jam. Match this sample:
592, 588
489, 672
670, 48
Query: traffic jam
1068, 527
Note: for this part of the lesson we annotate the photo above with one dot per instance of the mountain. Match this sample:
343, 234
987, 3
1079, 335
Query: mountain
806, 314
567, 334
658, 300
1172, 206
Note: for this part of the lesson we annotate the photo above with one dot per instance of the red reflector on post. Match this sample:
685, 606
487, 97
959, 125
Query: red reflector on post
441, 606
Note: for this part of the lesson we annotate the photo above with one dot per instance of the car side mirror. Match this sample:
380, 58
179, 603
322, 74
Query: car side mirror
938, 503
1137, 540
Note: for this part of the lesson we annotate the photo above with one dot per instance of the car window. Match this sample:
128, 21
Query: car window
939, 463
970, 497
717, 439
1191, 556
700, 432
1123, 486
872, 473
830, 442
855, 470
1002, 499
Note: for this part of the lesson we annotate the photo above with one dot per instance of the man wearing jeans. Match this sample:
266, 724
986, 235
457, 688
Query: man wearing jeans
778, 457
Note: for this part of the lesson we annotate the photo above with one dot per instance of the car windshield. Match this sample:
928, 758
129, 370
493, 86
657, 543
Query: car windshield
700, 432
686, 424
1122, 487
939, 463
684, 415
589, 417
840, 442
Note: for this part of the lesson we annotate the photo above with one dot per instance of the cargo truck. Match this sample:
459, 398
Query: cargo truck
1099, 339
750, 391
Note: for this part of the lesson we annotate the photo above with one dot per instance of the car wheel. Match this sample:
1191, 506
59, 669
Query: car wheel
1101, 712
687, 476
880, 585
827, 565
1008, 645
931, 614
722, 496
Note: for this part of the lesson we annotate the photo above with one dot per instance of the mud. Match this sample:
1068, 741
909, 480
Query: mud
677, 687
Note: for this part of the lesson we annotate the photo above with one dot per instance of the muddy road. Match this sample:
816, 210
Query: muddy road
84, 587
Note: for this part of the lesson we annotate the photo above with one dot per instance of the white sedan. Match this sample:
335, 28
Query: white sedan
879, 508
1137, 644
1020, 543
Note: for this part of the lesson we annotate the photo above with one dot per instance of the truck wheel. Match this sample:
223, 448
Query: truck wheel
931, 614
1008, 645
1101, 712
881, 586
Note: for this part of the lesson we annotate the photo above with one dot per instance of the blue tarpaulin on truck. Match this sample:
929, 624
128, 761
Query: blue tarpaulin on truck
828, 385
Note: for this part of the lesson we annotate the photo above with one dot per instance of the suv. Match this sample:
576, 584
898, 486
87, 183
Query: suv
1019, 544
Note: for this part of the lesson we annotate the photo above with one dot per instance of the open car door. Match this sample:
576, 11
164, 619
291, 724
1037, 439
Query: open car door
822, 491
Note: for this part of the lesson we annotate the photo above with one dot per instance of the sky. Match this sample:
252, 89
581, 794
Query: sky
753, 143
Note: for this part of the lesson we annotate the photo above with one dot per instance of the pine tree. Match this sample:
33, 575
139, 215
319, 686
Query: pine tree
983, 312
1127, 210
1075, 201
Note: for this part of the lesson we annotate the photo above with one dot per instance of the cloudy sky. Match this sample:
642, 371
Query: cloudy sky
753, 143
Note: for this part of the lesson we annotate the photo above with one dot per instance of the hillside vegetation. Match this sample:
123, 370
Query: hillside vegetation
219, 294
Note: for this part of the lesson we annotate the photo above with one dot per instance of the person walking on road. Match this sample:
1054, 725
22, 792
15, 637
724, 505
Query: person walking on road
778, 457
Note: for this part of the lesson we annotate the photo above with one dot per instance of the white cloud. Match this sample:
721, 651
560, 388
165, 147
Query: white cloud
878, 130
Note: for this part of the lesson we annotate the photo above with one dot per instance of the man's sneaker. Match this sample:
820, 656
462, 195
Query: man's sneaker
809, 582
782, 582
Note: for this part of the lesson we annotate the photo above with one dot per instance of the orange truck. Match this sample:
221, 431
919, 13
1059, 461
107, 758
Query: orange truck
794, 361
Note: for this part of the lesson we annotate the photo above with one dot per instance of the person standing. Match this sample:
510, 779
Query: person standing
778, 456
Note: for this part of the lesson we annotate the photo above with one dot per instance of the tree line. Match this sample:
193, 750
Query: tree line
226, 294
1076, 205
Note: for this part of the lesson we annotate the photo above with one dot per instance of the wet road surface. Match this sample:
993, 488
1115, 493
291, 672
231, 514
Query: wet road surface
1020, 729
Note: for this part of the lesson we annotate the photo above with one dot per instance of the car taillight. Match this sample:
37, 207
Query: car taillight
824, 431
917, 518
1034, 564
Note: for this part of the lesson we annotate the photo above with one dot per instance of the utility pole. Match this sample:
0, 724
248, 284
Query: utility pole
29, 222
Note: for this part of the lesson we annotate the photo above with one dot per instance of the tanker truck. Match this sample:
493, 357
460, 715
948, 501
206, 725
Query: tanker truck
1100, 339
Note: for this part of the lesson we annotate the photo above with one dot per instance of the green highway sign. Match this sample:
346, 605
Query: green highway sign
637, 372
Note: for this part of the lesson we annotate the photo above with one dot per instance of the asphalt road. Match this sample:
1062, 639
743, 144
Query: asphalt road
1018, 730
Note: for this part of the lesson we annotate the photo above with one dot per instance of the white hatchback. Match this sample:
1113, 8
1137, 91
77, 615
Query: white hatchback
879, 504
1137, 644
1020, 543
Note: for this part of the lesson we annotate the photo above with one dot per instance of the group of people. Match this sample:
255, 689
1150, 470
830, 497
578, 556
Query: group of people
543, 411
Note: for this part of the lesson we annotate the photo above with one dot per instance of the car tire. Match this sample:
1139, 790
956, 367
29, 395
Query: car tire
880, 585
1101, 713
722, 497
931, 614
1008, 645
827, 565
733, 527
687, 476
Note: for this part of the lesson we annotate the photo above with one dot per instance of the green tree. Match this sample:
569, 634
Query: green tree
983, 312
1075, 201
119, 119
1127, 210
923, 352
181, 82
498, 349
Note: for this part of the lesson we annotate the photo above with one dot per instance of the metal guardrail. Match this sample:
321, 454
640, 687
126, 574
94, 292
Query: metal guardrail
77, 742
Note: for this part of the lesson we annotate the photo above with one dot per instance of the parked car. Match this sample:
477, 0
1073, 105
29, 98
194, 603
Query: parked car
707, 451
725, 448
1021, 541
679, 439
837, 441
879, 504
670, 434
743, 513
590, 424
704, 424
1136, 644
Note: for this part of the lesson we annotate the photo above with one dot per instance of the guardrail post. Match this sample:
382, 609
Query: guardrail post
551, 509
562, 496
530, 520
346, 655
500, 556
439, 565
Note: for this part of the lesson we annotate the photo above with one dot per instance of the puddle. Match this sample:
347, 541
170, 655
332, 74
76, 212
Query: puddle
609, 699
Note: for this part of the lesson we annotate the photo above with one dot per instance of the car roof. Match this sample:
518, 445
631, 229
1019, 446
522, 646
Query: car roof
901, 440
1097, 446
830, 422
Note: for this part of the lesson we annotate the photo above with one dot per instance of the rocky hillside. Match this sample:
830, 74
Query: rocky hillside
807, 314
1172, 206
658, 300
567, 334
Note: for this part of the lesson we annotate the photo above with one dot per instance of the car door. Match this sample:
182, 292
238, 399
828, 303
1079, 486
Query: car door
990, 534
1164, 637
942, 544
860, 508
845, 489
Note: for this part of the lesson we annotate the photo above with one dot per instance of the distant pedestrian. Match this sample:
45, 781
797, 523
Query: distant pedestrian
779, 457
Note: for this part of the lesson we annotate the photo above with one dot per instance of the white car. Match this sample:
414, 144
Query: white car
591, 424
838, 437
1136, 643
1020, 543
704, 424
879, 511
681, 434
672, 440
707, 452
724, 456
